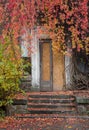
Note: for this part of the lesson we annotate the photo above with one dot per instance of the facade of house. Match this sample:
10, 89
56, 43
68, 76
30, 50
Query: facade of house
50, 72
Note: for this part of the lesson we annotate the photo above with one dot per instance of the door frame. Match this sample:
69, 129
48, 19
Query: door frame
51, 63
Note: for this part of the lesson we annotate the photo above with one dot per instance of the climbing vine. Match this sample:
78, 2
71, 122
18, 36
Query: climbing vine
64, 20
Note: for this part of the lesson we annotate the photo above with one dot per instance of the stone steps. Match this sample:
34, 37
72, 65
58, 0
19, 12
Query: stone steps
51, 103
46, 104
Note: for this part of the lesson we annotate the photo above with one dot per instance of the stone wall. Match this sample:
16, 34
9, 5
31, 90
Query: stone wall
82, 105
19, 106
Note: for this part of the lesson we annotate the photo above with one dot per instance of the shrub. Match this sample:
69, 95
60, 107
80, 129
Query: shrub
11, 70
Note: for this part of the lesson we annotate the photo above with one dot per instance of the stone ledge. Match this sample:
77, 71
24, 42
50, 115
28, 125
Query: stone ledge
82, 105
13, 109
19, 102
82, 100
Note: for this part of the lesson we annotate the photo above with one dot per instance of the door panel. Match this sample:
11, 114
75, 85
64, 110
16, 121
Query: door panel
58, 71
46, 75
46, 61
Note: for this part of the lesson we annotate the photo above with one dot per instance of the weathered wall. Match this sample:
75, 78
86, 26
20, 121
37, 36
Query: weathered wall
68, 71
35, 61
35, 58
82, 105
18, 106
58, 65
59, 80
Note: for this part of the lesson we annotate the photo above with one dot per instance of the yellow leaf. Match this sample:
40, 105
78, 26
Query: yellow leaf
69, 127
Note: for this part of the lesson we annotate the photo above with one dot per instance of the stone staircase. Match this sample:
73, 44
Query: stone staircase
51, 103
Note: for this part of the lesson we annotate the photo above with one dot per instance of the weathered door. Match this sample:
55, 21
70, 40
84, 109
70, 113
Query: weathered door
46, 72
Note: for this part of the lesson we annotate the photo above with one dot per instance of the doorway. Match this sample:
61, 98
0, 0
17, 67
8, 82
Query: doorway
46, 65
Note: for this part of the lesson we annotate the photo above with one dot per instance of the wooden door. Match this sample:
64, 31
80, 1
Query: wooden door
46, 71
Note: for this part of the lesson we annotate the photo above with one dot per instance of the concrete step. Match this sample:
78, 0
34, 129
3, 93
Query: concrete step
52, 96
51, 111
52, 93
49, 100
50, 115
46, 105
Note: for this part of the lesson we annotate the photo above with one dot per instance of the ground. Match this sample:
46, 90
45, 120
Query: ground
47, 123
63, 123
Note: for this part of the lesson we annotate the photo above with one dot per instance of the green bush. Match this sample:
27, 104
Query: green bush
11, 70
